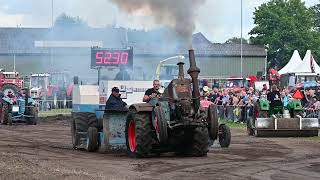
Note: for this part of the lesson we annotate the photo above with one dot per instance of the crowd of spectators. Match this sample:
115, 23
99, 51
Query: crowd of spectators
237, 104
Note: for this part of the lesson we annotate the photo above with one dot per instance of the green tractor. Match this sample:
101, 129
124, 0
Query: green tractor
280, 121
174, 122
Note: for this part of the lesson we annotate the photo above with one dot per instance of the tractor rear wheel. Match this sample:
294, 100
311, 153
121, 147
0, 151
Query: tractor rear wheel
74, 134
224, 136
92, 139
81, 120
79, 124
94, 122
160, 125
200, 142
139, 134
10, 87
6, 117
10, 119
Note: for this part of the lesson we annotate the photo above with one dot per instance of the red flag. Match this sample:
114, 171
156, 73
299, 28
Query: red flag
297, 95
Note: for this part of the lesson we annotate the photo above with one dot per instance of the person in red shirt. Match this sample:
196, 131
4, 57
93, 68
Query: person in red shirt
205, 103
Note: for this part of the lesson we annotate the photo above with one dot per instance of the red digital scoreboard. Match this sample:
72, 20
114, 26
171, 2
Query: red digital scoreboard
107, 57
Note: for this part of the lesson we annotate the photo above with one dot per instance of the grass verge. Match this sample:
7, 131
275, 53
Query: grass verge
55, 112
232, 125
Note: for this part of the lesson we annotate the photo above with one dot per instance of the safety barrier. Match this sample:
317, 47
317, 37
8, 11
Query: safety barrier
54, 107
311, 112
235, 113
240, 113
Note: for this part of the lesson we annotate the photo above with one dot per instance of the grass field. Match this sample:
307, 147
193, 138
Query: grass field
233, 125
54, 112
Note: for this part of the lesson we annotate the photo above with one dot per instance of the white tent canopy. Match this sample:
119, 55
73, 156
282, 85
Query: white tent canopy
294, 61
308, 65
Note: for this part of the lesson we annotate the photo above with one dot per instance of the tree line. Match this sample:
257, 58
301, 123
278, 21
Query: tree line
285, 25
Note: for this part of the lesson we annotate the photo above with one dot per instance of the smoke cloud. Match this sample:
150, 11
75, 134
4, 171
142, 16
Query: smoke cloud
178, 14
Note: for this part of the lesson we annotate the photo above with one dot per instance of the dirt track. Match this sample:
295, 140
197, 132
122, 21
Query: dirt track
44, 152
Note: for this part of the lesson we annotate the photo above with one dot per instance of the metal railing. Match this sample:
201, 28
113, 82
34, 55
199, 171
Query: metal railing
235, 113
238, 113
311, 113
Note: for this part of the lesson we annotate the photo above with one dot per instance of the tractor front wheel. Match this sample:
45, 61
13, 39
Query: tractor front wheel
34, 113
92, 139
224, 136
213, 124
200, 142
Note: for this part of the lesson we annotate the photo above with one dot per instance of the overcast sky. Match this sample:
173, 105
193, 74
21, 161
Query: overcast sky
218, 20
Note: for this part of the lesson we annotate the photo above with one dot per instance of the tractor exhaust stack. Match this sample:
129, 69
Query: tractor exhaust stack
194, 71
181, 70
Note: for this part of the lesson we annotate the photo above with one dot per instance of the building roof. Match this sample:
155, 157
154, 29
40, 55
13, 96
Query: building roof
153, 43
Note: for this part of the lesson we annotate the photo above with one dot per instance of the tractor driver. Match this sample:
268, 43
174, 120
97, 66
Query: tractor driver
115, 102
23, 93
275, 100
10, 94
152, 92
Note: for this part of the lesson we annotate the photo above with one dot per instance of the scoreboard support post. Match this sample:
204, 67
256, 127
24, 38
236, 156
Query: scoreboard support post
99, 75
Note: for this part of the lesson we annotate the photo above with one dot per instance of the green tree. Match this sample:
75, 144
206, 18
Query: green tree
65, 21
237, 40
316, 11
284, 25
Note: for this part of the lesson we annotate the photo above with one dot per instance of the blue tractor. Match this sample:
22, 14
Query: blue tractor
20, 108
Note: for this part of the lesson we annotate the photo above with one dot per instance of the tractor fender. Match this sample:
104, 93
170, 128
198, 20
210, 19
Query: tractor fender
8, 100
141, 107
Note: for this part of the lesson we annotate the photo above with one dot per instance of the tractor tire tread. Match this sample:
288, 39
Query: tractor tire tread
200, 142
92, 139
225, 136
144, 136
74, 135
213, 124
6, 116
81, 121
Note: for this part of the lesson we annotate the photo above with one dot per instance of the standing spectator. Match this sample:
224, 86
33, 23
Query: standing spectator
214, 94
250, 105
225, 100
219, 102
316, 104
205, 103
250, 90
265, 87
243, 103
286, 97
206, 91
230, 106
274, 98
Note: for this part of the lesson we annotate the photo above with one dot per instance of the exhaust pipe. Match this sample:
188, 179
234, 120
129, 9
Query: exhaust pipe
194, 71
181, 70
